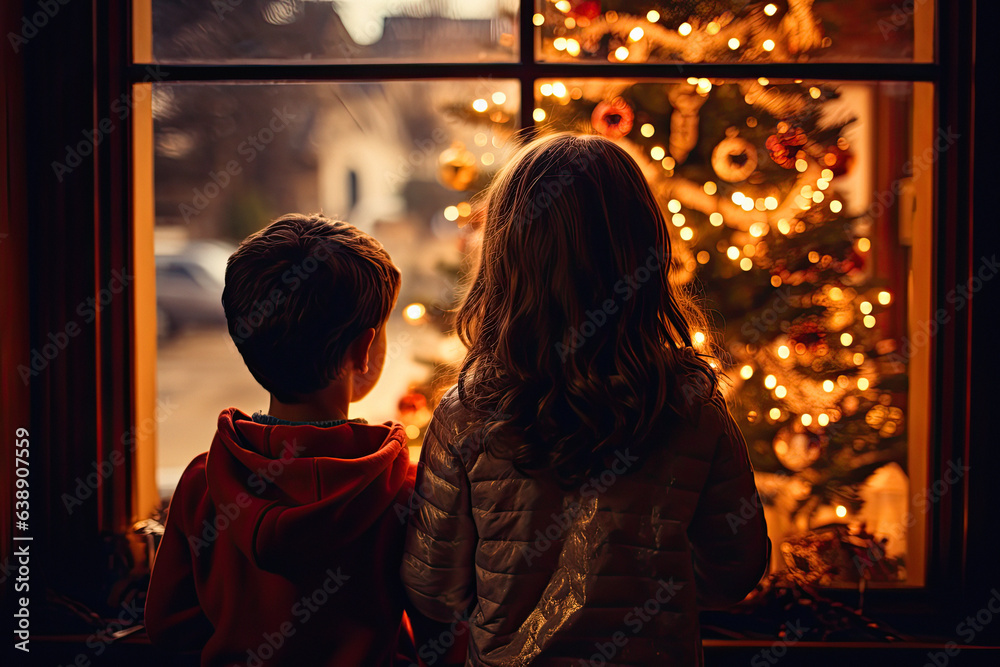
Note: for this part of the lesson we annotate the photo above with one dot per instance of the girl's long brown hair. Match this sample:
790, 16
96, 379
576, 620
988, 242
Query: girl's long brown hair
578, 344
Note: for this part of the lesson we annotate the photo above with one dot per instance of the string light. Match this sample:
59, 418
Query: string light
570, 22
703, 257
841, 511
657, 153
564, 6
770, 9
545, 89
763, 81
746, 372
864, 245
699, 337
621, 53
775, 414
487, 159
465, 209
414, 312
828, 386
836, 206
684, 29
710, 188
480, 105
884, 298
807, 419
863, 384
712, 28
801, 165
770, 203
780, 391
768, 45
636, 34
746, 263
815, 92
704, 86
770, 382
451, 213
823, 419
858, 359
653, 16
559, 89
836, 294
865, 307
846, 339
538, 115
687, 233
678, 219
733, 252
668, 163
572, 47
559, 43
716, 219
734, 43
784, 352
499, 98
647, 130
869, 321
538, 19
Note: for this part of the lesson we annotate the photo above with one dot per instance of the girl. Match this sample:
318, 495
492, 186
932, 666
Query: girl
583, 490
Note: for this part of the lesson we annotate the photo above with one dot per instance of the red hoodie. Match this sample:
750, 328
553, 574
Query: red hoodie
283, 546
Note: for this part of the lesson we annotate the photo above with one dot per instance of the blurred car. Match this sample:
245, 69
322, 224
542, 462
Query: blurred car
189, 283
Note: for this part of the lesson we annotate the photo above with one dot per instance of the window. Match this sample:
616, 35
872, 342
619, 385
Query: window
791, 145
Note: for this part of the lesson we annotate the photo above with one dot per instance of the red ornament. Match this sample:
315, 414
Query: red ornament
613, 119
838, 160
785, 144
588, 9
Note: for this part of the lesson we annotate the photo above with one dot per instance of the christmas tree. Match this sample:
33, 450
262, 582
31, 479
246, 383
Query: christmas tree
749, 175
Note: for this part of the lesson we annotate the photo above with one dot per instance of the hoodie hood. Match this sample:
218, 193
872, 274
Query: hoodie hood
284, 486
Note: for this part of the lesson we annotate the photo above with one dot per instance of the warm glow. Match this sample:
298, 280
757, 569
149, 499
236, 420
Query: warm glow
678, 219
770, 382
687, 233
884, 298
858, 358
768, 45
775, 413
770, 9
668, 163
636, 34
465, 209
699, 337
647, 130
826, 174
674, 206
807, 419
836, 294
538, 115
815, 92
716, 219
538, 19
864, 245
572, 47
559, 43
746, 263
836, 206
865, 307
763, 81
783, 352
746, 372
559, 89
738, 198
480, 105
734, 43
703, 257
704, 86
499, 98
801, 165
770, 203
545, 89
841, 511
564, 6
783, 226
823, 419
657, 153
733, 252
869, 321
415, 311
488, 159
863, 384
828, 385
684, 29
780, 391
710, 188
713, 27
653, 16
818, 197
846, 339
451, 213
758, 229
621, 53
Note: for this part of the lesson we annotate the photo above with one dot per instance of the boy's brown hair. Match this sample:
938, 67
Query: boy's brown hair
298, 293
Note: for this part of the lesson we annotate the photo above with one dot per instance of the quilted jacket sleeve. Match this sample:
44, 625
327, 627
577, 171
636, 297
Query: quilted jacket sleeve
728, 534
439, 557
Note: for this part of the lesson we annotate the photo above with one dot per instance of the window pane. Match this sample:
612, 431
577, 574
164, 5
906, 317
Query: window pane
796, 210
735, 31
401, 161
335, 31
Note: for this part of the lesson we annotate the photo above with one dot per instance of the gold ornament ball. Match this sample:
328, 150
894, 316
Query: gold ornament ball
457, 167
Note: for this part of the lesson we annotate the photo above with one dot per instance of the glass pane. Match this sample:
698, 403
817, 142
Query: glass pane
335, 30
399, 160
794, 209
735, 31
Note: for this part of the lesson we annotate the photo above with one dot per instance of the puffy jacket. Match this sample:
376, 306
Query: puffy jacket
613, 571
282, 547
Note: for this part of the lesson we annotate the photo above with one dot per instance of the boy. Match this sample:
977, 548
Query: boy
281, 546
